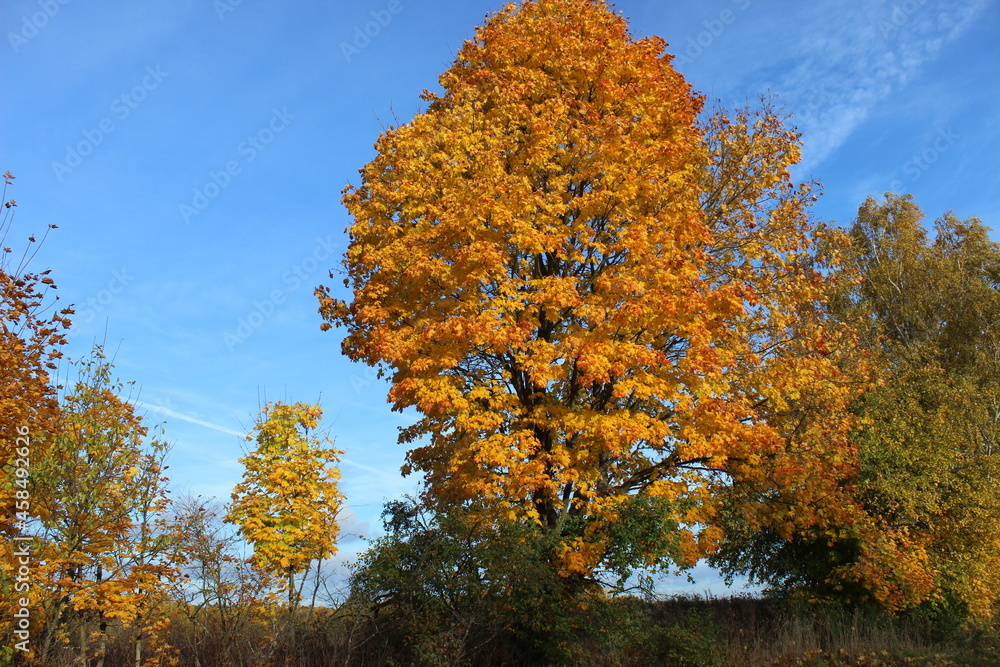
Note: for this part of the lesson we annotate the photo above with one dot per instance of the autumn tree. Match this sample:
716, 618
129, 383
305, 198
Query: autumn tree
31, 334
928, 314
602, 308
931, 447
930, 456
29, 349
287, 503
102, 494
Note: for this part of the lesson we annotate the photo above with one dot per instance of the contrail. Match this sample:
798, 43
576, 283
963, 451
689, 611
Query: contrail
365, 468
200, 422
222, 429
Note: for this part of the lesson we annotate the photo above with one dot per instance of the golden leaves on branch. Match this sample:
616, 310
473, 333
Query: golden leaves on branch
286, 506
587, 294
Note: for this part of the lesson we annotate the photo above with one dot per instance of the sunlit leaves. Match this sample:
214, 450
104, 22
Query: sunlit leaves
287, 503
587, 295
31, 334
930, 457
924, 517
101, 493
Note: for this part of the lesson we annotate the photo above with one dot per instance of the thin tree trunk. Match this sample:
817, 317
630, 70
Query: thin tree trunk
83, 644
102, 646
102, 628
312, 601
291, 608
138, 650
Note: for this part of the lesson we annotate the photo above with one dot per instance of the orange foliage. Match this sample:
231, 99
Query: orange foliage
29, 348
587, 295
100, 554
29, 411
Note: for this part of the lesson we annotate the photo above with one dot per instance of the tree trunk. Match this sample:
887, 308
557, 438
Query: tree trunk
83, 644
138, 649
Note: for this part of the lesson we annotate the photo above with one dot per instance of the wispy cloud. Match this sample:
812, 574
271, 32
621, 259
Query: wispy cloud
362, 466
167, 412
850, 66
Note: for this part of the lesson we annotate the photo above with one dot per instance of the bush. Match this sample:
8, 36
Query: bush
450, 589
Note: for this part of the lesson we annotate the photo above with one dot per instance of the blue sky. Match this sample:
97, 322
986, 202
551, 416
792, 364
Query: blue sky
193, 152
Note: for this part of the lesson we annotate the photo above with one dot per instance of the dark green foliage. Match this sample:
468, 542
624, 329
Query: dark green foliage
646, 525
455, 589
442, 589
787, 569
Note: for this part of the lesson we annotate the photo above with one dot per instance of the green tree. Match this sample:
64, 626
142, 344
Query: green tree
928, 315
929, 452
444, 587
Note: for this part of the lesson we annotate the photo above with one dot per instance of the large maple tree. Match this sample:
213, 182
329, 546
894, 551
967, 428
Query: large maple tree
604, 309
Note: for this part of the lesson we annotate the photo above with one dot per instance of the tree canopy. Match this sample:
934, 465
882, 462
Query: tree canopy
590, 296
926, 310
286, 506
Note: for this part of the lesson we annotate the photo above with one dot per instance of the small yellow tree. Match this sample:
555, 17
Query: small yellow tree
100, 493
287, 504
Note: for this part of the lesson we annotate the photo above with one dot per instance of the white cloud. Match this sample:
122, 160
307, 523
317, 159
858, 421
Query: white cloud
362, 466
192, 420
851, 64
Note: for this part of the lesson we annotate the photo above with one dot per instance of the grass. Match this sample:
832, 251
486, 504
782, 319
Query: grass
680, 631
